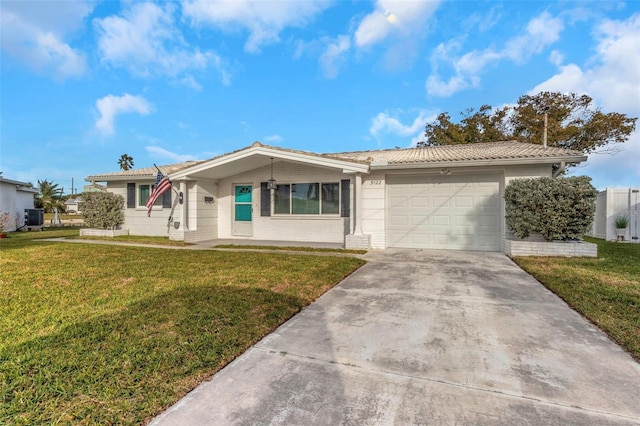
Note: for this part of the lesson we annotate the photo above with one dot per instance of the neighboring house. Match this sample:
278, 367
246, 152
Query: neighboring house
73, 205
94, 187
447, 197
614, 202
15, 197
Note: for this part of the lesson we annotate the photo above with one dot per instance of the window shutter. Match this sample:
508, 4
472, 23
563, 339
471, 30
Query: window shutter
345, 199
166, 199
131, 195
265, 200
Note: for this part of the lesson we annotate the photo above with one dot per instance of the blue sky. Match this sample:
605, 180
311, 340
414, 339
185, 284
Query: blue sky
84, 82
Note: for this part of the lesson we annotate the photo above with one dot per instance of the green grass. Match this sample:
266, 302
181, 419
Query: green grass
48, 217
605, 290
291, 248
138, 239
101, 334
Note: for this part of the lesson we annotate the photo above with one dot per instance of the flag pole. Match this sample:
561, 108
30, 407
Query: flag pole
160, 171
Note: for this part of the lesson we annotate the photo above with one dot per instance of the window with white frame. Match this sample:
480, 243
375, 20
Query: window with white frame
307, 198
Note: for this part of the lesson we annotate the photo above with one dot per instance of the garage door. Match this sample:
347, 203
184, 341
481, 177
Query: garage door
459, 212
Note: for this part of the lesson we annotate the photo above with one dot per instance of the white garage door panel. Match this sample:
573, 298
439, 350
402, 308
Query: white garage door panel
446, 212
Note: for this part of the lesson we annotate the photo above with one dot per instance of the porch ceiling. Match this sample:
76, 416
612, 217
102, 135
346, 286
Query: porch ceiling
231, 168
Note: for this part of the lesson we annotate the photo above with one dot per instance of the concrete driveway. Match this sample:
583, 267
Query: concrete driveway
426, 338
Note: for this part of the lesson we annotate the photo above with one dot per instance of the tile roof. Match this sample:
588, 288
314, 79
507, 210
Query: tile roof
467, 152
505, 150
145, 171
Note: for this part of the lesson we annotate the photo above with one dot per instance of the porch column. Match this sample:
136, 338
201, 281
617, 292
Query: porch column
357, 240
357, 203
184, 213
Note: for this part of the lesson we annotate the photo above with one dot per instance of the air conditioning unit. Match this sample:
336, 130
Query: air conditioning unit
33, 217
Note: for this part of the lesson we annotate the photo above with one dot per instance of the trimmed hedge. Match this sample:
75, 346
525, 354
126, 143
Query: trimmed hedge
557, 208
103, 210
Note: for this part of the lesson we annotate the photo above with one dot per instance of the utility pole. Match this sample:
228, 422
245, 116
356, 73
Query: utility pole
546, 126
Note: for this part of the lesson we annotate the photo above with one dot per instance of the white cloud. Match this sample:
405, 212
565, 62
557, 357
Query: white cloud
35, 33
391, 17
613, 81
111, 106
191, 82
263, 19
386, 125
438, 87
556, 58
146, 41
161, 153
274, 138
333, 54
542, 31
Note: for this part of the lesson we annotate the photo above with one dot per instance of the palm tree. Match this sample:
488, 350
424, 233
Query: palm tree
125, 162
49, 196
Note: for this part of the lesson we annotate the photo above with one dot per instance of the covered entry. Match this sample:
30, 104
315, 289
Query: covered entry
457, 211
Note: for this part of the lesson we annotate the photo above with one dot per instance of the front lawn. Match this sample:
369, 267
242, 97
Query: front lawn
102, 334
606, 290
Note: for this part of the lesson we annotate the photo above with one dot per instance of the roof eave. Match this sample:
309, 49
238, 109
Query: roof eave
489, 162
100, 178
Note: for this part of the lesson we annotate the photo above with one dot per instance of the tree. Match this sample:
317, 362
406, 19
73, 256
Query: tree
479, 126
49, 196
573, 122
125, 162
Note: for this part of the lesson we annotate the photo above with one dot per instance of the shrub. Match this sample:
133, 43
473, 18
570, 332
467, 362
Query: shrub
558, 209
5, 220
622, 221
103, 210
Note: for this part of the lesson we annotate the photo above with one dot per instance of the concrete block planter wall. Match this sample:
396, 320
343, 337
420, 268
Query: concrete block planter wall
103, 232
513, 247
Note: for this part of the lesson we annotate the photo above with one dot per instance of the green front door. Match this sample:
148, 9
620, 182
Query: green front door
243, 210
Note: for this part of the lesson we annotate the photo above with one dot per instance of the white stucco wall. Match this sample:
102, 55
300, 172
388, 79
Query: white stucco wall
373, 208
136, 220
198, 218
14, 200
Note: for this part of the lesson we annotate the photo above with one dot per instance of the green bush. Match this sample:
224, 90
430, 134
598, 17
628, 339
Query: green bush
103, 210
558, 209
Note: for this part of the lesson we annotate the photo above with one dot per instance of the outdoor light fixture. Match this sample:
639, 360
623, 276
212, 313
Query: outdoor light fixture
445, 172
271, 183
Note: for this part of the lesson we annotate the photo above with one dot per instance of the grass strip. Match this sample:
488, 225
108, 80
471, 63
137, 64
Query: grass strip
138, 239
290, 248
606, 290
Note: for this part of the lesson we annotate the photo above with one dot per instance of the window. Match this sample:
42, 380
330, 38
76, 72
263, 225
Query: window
282, 197
304, 198
144, 191
307, 198
330, 198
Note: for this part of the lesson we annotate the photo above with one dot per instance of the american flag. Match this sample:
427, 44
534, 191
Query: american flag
162, 185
